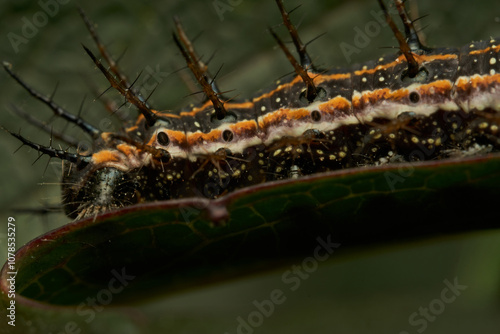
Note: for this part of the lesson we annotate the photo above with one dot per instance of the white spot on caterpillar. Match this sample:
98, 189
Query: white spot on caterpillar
493, 61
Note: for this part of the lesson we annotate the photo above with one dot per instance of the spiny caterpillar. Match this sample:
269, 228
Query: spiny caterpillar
418, 104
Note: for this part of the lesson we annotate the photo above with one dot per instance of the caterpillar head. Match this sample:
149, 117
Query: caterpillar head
125, 169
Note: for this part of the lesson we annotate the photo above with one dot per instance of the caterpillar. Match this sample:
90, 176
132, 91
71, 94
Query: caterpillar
444, 100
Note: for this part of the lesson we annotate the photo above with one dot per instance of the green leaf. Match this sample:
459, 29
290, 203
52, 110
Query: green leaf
163, 247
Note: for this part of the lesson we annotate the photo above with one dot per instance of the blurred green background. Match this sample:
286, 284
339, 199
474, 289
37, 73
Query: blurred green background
373, 291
